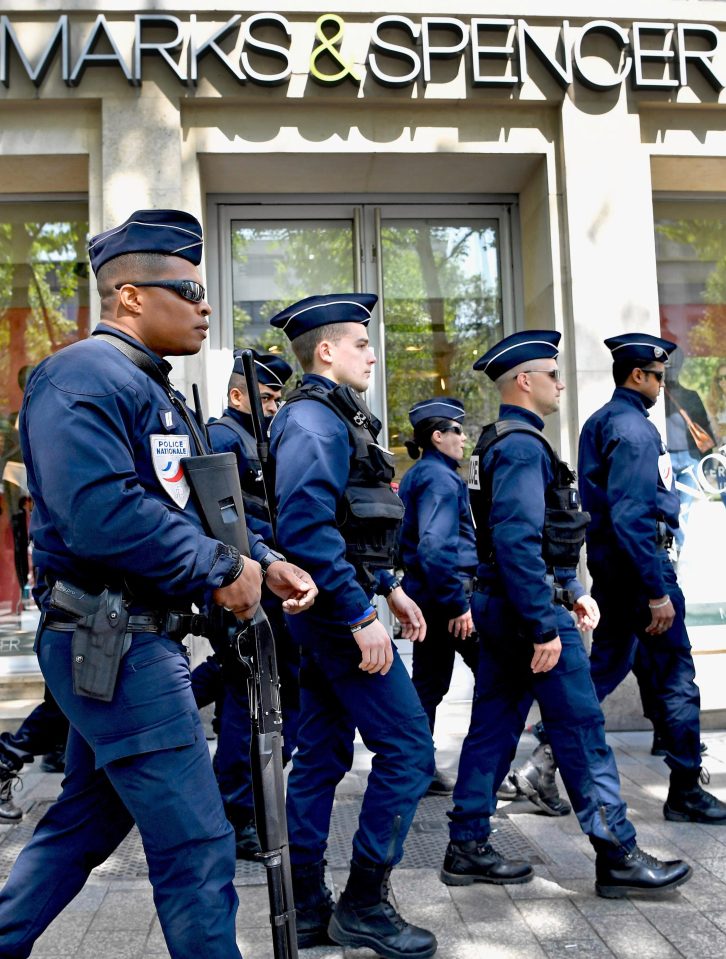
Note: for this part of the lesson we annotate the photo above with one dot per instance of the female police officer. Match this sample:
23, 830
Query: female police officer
438, 552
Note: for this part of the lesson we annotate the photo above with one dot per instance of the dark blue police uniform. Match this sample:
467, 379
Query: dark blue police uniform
512, 609
627, 487
102, 442
337, 516
312, 452
438, 552
234, 433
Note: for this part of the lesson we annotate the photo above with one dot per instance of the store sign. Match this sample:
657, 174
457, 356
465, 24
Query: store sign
600, 54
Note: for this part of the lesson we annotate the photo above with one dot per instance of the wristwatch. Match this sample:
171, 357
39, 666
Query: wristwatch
386, 591
270, 557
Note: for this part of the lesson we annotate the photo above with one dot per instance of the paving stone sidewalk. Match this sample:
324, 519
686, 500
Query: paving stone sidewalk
557, 915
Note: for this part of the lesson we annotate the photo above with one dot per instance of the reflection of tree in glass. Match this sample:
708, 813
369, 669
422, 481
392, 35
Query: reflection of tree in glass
706, 238
442, 311
41, 267
299, 260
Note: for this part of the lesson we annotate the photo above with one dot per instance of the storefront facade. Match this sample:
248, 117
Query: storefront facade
553, 166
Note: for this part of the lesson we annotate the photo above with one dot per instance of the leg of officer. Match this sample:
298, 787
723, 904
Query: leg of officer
433, 662
150, 741
502, 699
575, 724
79, 831
614, 639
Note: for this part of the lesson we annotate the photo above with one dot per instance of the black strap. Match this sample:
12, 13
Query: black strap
144, 362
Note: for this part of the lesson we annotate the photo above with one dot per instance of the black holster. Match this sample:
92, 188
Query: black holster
100, 639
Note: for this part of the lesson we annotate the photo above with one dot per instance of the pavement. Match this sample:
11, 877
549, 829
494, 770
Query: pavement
557, 915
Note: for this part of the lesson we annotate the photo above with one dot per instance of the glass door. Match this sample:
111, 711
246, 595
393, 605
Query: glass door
442, 272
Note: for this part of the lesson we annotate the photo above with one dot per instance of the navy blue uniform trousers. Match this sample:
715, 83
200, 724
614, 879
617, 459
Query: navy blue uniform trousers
505, 690
674, 701
336, 697
141, 758
433, 659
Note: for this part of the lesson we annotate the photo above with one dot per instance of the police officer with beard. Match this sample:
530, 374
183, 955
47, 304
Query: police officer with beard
627, 485
102, 434
523, 500
337, 512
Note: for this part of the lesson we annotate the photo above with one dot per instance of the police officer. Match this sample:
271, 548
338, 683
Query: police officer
234, 432
337, 512
529, 645
438, 552
627, 486
102, 439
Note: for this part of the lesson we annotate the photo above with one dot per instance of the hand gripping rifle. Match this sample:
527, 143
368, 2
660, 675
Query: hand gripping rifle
214, 482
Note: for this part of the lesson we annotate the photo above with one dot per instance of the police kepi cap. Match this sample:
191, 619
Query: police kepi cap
518, 348
639, 348
271, 369
441, 407
172, 232
316, 311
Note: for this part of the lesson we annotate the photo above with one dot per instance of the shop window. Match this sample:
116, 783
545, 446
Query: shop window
691, 264
43, 307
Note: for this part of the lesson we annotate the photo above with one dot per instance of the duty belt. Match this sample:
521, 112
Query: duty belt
172, 623
560, 595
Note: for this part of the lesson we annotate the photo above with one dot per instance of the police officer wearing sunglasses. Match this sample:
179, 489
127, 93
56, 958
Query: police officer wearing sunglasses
529, 644
627, 485
438, 552
102, 436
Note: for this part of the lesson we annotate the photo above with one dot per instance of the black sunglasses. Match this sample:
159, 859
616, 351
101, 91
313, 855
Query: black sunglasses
658, 374
454, 428
555, 375
187, 289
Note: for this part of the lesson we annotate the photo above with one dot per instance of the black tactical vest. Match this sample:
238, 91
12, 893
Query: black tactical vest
565, 522
253, 490
370, 513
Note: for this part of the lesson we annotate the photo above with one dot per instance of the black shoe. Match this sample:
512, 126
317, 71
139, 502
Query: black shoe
441, 784
364, 918
538, 731
246, 842
688, 802
508, 790
54, 762
9, 780
313, 904
536, 780
636, 871
471, 861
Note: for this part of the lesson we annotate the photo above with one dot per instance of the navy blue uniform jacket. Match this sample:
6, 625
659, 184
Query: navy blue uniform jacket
626, 485
94, 430
437, 541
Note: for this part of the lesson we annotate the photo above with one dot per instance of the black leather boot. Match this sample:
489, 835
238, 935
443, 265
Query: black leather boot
618, 872
313, 904
507, 791
471, 861
9, 779
364, 918
536, 780
688, 802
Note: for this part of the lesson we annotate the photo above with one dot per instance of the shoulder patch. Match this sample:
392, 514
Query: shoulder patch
166, 454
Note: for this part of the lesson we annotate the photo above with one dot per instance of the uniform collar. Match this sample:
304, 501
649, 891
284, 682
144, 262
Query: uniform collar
244, 419
509, 411
319, 380
112, 331
632, 398
437, 454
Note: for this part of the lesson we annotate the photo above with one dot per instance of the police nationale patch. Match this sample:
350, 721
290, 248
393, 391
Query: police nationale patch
474, 473
166, 455
665, 468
